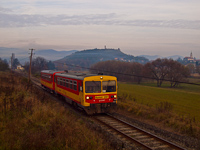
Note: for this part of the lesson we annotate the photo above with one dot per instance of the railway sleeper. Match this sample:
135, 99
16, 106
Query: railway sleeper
148, 140
129, 133
141, 137
111, 122
155, 144
127, 130
117, 126
162, 147
135, 134
115, 123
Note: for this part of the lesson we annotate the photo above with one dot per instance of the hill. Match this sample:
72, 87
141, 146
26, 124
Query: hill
51, 54
23, 54
86, 58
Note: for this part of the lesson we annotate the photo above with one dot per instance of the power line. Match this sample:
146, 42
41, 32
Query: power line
128, 74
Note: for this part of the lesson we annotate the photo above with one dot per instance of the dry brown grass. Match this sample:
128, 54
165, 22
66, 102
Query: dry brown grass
32, 121
163, 115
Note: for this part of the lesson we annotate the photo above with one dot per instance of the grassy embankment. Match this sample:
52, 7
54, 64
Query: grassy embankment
177, 108
32, 121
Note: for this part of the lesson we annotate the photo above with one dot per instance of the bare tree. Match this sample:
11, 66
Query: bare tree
15, 63
198, 69
3, 65
38, 64
124, 71
191, 67
157, 69
137, 71
177, 72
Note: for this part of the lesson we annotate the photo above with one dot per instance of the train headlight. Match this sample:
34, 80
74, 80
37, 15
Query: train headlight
87, 97
115, 96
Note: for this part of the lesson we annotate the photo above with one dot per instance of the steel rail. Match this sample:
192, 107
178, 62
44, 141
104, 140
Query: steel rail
123, 134
149, 135
153, 135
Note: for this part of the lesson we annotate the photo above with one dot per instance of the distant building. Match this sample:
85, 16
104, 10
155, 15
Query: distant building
19, 67
190, 59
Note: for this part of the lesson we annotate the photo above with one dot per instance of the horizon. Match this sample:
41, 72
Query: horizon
150, 57
144, 27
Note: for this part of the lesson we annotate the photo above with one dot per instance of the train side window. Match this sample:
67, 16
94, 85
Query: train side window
75, 85
49, 78
58, 80
63, 82
67, 83
70, 84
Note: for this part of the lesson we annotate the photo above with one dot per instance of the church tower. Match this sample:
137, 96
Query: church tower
191, 55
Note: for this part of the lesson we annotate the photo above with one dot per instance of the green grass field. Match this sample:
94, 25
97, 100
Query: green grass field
185, 98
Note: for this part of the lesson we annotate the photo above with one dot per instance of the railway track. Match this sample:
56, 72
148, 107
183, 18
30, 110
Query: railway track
135, 135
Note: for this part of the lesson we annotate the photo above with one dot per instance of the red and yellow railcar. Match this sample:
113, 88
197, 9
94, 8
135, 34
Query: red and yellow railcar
93, 93
47, 79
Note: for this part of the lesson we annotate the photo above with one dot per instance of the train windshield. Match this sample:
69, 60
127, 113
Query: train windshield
109, 86
93, 86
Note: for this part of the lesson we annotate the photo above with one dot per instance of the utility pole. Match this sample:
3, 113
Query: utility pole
11, 61
29, 75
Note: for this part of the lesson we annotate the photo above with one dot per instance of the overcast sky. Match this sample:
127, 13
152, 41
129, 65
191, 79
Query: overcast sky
137, 27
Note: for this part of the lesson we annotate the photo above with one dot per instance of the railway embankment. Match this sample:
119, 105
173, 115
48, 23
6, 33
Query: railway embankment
29, 118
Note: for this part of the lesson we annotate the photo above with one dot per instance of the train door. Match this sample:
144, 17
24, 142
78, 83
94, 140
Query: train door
80, 89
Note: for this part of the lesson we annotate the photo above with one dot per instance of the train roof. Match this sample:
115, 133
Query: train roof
79, 76
50, 71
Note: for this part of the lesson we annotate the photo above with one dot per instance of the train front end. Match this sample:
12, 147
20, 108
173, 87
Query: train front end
99, 94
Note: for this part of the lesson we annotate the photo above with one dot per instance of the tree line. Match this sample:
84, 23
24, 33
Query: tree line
3, 65
159, 70
39, 64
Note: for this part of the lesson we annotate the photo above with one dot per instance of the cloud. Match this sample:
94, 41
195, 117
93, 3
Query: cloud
5, 10
11, 20
24, 20
181, 24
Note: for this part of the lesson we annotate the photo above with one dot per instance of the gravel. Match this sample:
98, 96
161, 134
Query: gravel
184, 141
